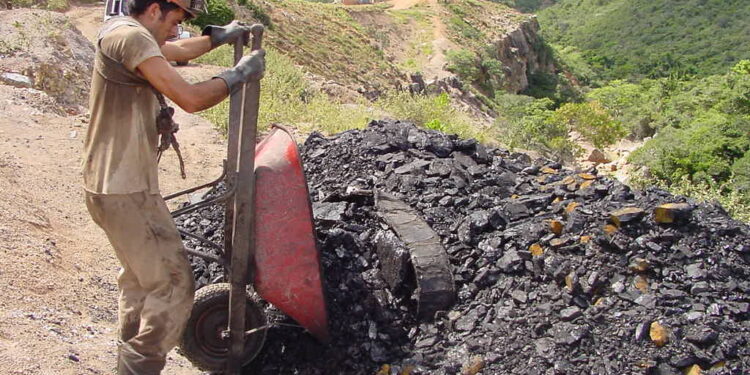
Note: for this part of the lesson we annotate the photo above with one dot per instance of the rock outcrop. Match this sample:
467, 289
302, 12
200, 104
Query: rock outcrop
523, 53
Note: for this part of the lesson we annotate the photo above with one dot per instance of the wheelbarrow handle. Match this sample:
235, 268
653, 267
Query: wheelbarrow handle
256, 31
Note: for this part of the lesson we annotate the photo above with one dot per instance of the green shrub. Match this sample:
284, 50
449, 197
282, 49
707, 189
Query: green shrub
531, 124
706, 150
219, 13
463, 63
590, 120
483, 69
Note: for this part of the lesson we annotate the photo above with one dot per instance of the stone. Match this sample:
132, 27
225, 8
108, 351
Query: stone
16, 80
693, 370
571, 207
696, 271
639, 265
700, 288
625, 215
510, 261
329, 211
598, 157
659, 334
672, 212
642, 330
536, 250
641, 283
395, 264
519, 296
556, 227
473, 365
703, 336
570, 313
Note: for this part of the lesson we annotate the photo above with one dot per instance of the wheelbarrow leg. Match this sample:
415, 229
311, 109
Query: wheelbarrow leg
243, 241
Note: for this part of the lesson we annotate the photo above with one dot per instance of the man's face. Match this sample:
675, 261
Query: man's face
166, 28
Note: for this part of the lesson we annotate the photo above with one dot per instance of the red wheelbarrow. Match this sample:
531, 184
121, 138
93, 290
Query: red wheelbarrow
269, 243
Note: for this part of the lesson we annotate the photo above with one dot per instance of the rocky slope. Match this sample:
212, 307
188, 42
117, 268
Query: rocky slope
49, 53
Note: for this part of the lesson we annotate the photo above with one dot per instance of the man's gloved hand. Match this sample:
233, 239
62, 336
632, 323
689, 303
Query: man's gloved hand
250, 67
227, 33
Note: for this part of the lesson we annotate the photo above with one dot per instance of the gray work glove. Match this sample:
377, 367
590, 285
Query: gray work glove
227, 33
250, 67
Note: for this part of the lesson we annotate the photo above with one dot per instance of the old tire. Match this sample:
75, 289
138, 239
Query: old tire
202, 342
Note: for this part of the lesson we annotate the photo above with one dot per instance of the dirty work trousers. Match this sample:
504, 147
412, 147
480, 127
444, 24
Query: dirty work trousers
156, 281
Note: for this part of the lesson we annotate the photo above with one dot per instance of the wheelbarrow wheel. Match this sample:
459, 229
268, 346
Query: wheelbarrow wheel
203, 343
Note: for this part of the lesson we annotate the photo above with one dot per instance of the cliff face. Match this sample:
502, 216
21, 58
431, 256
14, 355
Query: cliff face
522, 53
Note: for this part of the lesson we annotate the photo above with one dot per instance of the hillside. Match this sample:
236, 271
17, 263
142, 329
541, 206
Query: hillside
652, 38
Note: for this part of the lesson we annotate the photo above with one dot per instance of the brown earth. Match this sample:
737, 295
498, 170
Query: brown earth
57, 271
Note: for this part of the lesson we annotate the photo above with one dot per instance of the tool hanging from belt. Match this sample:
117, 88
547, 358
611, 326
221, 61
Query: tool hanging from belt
166, 127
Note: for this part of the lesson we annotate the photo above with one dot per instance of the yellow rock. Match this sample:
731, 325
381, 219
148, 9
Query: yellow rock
571, 207
587, 176
625, 215
586, 184
641, 283
556, 227
659, 334
718, 365
548, 170
692, 370
609, 229
536, 250
384, 370
514, 196
557, 200
568, 180
557, 242
473, 366
640, 265
585, 239
671, 212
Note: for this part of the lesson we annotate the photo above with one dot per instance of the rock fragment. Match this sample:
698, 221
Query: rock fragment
672, 212
659, 334
626, 215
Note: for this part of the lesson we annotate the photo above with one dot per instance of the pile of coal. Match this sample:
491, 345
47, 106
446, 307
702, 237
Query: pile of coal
556, 271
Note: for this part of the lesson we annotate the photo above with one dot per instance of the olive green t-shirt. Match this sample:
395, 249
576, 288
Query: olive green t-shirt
121, 143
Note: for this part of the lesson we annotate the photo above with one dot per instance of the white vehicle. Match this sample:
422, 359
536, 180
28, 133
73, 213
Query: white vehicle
115, 8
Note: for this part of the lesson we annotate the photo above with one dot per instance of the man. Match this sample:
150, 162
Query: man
120, 166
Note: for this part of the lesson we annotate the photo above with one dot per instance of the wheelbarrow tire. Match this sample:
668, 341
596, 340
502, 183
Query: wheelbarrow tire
202, 343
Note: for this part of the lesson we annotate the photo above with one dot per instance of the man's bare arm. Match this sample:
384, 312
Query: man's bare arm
190, 97
186, 49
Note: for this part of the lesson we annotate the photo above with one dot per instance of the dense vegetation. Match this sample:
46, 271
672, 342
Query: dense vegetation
666, 72
652, 38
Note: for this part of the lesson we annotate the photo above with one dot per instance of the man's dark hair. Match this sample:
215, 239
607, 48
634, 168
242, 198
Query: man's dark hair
138, 7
